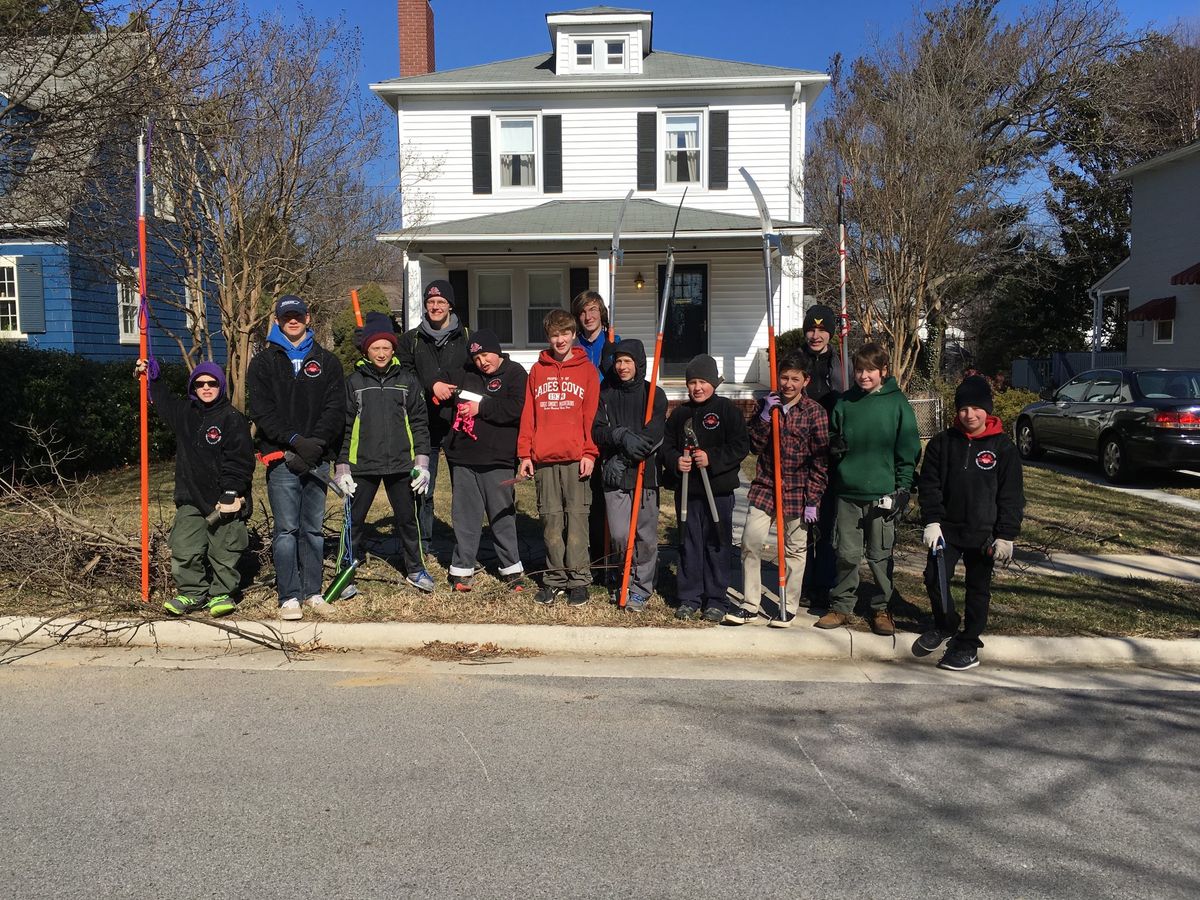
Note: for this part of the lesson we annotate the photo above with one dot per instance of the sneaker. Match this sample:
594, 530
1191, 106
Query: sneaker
929, 641
578, 595
517, 583
350, 590
832, 619
686, 612
958, 660
179, 605
318, 605
882, 623
636, 602
290, 611
740, 616
782, 623
462, 583
421, 580
545, 596
712, 614
221, 605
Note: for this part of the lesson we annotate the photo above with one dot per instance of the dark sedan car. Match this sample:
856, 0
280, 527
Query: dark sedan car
1128, 419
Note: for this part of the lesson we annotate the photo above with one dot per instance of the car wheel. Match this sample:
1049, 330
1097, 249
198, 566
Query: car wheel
1113, 460
1027, 444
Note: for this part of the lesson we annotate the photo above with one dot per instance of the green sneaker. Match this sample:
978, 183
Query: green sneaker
221, 605
180, 605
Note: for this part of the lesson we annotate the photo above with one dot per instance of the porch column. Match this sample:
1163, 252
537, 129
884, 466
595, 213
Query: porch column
413, 286
602, 278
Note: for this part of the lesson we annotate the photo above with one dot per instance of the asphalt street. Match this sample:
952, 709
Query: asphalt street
409, 779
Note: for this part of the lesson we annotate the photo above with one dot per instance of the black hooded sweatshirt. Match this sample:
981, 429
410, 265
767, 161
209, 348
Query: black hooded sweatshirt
825, 383
444, 359
721, 431
213, 450
972, 487
498, 422
623, 403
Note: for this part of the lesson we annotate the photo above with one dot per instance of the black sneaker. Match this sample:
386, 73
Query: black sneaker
462, 583
577, 596
516, 583
958, 660
712, 614
686, 612
545, 596
930, 641
739, 616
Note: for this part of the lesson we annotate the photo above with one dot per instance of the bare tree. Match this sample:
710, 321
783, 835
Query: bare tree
938, 133
261, 167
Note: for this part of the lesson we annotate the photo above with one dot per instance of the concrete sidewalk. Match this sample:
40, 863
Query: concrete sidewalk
800, 642
1118, 565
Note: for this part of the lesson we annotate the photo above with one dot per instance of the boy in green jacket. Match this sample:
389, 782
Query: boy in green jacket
873, 433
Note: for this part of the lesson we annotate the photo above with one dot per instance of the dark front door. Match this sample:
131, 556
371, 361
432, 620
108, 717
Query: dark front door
686, 331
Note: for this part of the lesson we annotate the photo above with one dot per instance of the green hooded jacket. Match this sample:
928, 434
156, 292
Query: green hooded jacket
882, 442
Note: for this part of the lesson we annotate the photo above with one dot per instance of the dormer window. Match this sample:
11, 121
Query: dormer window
583, 54
615, 54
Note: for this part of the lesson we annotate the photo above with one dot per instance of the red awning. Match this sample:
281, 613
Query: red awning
1189, 275
1155, 310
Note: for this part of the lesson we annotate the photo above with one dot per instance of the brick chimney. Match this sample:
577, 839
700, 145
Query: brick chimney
416, 37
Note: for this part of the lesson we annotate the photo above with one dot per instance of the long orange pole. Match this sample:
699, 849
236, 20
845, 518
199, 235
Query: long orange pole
143, 382
357, 309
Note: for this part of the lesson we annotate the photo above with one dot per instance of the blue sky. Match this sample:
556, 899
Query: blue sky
797, 34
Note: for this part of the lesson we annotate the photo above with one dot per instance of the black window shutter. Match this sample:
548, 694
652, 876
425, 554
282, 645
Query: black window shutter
718, 149
580, 281
462, 297
481, 154
552, 154
31, 298
647, 151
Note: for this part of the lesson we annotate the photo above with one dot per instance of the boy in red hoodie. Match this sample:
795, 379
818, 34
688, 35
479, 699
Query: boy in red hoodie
556, 449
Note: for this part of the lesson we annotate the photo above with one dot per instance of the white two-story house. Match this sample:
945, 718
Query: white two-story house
527, 162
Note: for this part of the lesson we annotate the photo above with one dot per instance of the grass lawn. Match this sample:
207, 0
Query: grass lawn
1063, 514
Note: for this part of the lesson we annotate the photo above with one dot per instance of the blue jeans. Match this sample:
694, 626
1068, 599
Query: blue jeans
298, 541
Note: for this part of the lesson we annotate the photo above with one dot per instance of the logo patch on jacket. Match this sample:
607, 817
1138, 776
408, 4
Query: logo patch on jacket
711, 421
474, 348
312, 368
213, 435
985, 459
494, 385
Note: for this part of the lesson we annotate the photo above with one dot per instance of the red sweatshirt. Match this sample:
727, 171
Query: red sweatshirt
560, 404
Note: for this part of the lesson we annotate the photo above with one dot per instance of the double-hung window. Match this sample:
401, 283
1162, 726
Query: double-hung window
127, 306
494, 306
10, 325
518, 159
584, 55
545, 294
614, 54
681, 160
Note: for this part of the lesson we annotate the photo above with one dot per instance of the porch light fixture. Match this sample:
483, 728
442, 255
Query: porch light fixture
638, 281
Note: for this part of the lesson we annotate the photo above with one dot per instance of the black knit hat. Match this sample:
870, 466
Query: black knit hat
704, 368
820, 316
483, 341
974, 391
377, 326
440, 288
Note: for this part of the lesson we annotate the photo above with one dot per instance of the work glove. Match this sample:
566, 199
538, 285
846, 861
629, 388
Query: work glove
309, 450
837, 446
343, 479
295, 463
230, 504
617, 435
899, 504
631, 441
931, 535
769, 403
612, 471
420, 475
811, 514
1002, 550
645, 446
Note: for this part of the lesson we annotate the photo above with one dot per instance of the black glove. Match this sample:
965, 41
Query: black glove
630, 442
900, 501
612, 471
309, 450
644, 447
296, 464
837, 446
617, 435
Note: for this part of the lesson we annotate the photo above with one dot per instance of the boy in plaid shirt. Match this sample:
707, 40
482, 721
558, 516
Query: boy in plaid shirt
804, 452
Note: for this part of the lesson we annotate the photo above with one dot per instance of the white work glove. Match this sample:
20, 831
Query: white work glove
931, 535
342, 478
1002, 550
420, 475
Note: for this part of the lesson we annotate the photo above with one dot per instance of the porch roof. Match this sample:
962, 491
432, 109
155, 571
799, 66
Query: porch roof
593, 220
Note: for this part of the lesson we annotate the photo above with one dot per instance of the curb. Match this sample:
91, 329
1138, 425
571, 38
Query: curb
747, 642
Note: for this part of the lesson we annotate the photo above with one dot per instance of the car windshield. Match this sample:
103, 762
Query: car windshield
1179, 385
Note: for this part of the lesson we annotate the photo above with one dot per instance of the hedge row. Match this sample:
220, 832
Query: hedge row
91, 406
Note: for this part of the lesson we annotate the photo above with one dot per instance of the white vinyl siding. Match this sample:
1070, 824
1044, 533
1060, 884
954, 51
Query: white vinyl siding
599, 152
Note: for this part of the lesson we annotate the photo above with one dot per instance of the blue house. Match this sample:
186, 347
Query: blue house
68, 263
